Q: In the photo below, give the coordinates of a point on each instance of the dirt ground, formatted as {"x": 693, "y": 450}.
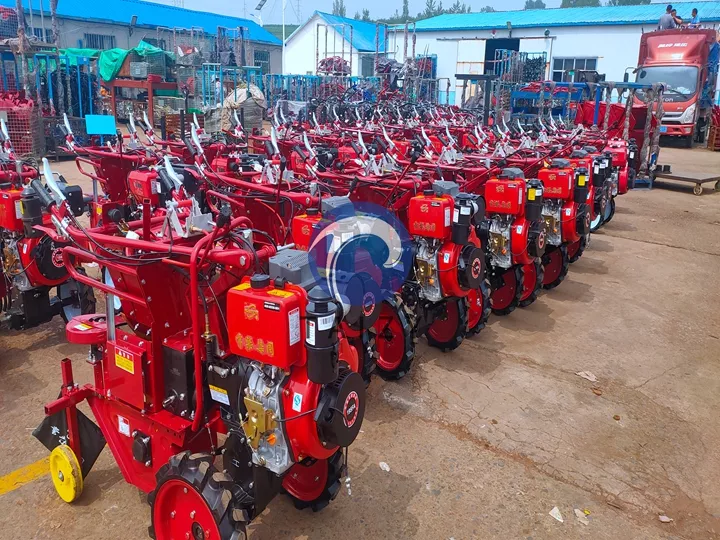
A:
{"x": 483, "y": 442}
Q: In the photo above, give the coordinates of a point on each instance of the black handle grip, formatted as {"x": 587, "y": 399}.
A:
{"x": 299, "y": 151}
{"x": 356, "y": 147}
{"x": 353, "y": 184}
{"x": 283, "y": 164}
{"x": 442, "y": 139}
{"x": 382, "y": 144}
{"x": 269, "y": 150}
{"x": 45, "y": 199}
{"x": 189, "y": 146}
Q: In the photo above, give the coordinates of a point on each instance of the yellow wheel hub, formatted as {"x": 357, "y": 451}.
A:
{"x": 66, "y": 473}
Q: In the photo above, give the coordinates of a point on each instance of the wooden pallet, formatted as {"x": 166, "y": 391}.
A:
{"x": 713, "y": 141}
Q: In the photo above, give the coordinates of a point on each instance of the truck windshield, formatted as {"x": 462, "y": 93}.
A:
{"x": 680, "y": 80}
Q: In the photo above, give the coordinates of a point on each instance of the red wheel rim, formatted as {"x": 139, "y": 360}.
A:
{"x": 445, "y": 329}
{"x": 573, "y": 248}
{"x": 553, "y": 267}
{"x": 529, "y": 280}
{"x": 504, "y": 296}
{"x": 390, "y": 342}
{"x": 306, "y": 482}
{"x": 181, "y": 512}
{"x": 475, "y": 307}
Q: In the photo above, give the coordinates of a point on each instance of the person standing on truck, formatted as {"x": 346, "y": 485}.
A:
{"x": 678, "y": 20}
{"x": 667, "y": 21}
{"x": 695, "y": 20}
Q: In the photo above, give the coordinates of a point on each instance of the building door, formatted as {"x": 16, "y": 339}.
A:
{"x": 470, "y": 59}
{"x": 497, "y": 44}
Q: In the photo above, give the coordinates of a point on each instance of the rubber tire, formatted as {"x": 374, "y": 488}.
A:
{"x": 611, "y": 213}
{"x": 199, "y": 472}
{"x": 581, "y": 250}
{"x": 459, "y": 335}
{"x": 409, "y": 339}
{"x": 687, "y": 142}
{"x": 332, "y": 485}
{"x": 518, "y": 293}
{"x": 563, "y": 270}
{"x": 539, "y": 272}
{"x": 86, "y": 297}
{"x": 487, "y": 310}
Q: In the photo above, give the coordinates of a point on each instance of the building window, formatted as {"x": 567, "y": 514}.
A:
{"x": 47, "y": 38}
{"x": 367, "y": 65}
{"x": 262, "y": 60}
{"x": 565, "y": 69}
{"x": 99, "y": 41}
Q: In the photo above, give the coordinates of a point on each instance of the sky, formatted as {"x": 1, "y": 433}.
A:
{"x": 272, "y": 12}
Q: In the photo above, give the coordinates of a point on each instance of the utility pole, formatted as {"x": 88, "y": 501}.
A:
{"x": 283, "y": 32}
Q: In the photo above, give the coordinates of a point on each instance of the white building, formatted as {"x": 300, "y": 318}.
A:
{"x": 325, "y": 35}
{"x": 604, "y": 39}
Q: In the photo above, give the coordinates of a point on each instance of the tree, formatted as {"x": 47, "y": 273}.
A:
{"x": 457, "y": 7}
{"x": 366, "y": 15}
{"x": 627, "y": 2}
{"x": 487, "y": 9}
{"x": 339, "y": 8}
{"x": 406, "y": 10}
{"x": 579, "y": 3}
{"x": 535, "y": 4}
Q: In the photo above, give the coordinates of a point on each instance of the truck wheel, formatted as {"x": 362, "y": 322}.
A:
{"x": 688, "y": 141}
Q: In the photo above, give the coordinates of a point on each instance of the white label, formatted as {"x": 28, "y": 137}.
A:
{"x": 447, "y": 216}
{"x": 456, "y": 215}
{"x": 154, "y": 187}
{"x": 124, "y": 426}
{"x": 82, "y": 327}
{"x": 465, "y": 210}
{"x": 219, "y": 394}
{"x": 297, "y": 402}
{"x": 294, "y": 323}
{"x": 310, "y": 338}
{"x": 18, "y": 209}
{"x": 326, "y": 322}
{"x": 446, "y": 258}
{"x": 25, "y": 248}
{"x": 518, "y": 229}
{"x": 568, "y": 211}
{"x": 346, "y": 237}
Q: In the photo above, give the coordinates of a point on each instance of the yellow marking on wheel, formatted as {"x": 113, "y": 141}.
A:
{"x": 24, "y": 475}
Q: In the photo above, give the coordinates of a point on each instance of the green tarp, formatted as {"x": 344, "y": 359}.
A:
{"x": 111, "y": 60}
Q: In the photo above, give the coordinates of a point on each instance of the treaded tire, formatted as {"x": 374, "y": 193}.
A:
{"x": 583, "y": 245}
{"x": 453, "y": 341}
{"x": 198, "y": 472}
{"x": 539, "y": 273}
{"x": 564, "y": 266}
{"x": 407, "y": 337}
{"x": 487, "y": 310}
{"x": 332, "y": 485}
{"x": 517, "y": 269}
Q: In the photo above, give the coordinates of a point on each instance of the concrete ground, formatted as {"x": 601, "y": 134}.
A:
{"x": 483, "y": 442}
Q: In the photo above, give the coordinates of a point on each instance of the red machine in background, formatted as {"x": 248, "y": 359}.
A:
{"x": 515, "y": 239}
{"x": 32, "y": 261}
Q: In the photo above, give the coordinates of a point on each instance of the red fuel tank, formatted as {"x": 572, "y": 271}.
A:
{"x": 430, "y": 216}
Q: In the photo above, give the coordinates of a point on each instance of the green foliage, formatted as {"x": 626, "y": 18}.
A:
{"x": 535, "y": 4}
{"x": 628, "y": 2}
{"x": 339, "y": 8}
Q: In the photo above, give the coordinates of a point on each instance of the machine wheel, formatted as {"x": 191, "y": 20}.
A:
{"x": 478, "y": 308}
{"x": 688, "y": 141}
{"x": 576, "y": 249}
{"x": 77, "y": 298}
{"x": 532, "y": 281}
{"x": 698, "y": 189}
{"x": 448, "y": 333}
{"x": 315, "y": 483}
{"x": 609, "y": 210}
{"x": 506, "y": 298}
{"x": 394, "y": 341}
{"x": 556, "y": 265}
{"x": 192, "y": 501}
{"x": 66, "y": 473}
{"x": 597, "y": 221}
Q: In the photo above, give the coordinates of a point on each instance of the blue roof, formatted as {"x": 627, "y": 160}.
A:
{"x": 554, "y": 17}
{"x": 363, "y": 33}
{"x": 150, "y": 14}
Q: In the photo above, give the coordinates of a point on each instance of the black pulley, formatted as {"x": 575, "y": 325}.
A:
{"x": 471, "y": 267}
{"x": 341, "y": 409}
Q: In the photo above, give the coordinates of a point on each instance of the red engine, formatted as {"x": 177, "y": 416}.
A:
{"x": 565, "y": 205}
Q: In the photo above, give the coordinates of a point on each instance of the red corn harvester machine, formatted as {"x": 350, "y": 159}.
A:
{"x": 204, "y": 359}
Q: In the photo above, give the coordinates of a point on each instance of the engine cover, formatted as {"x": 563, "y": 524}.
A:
{"x": 341, "y": 409}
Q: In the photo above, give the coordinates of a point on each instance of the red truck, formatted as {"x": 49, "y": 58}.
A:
{"x": 686, "y": 61}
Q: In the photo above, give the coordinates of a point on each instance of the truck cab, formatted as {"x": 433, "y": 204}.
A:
{"x": 686, "y": 62}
